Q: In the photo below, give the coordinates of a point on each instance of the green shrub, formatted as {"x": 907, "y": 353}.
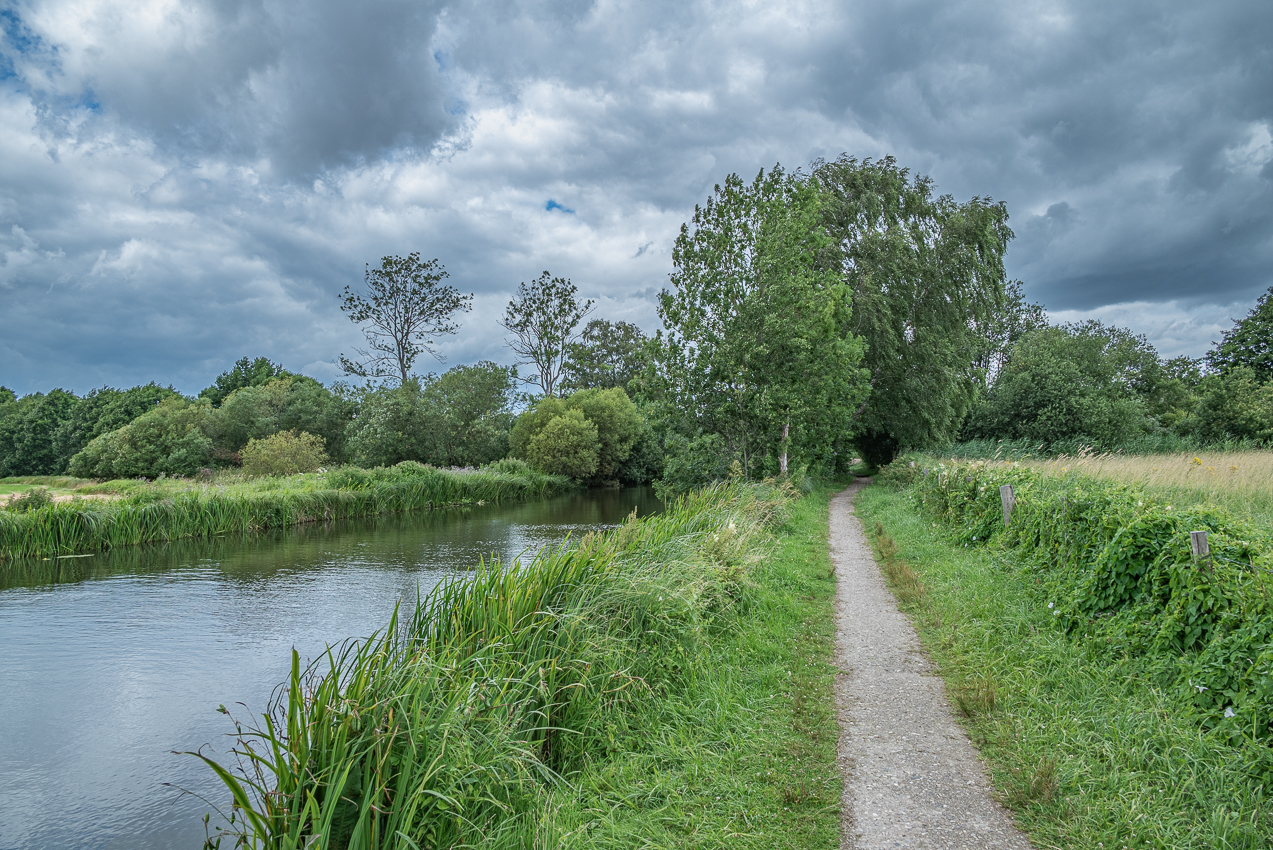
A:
{"x": 567, "y": 445}
{"x": 1113, "y": 563}
{"x": 170, "y": 440}
{"x": 31, "y": 500}
{"x": 284, "y": 453}
{"x": 619, "y": 427}
{"x": 508, "y": 466}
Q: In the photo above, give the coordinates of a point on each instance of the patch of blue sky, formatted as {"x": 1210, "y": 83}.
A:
{"x": 553, "y": 205}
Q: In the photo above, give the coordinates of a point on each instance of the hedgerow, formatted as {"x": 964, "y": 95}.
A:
{"x": 1115, "y": 566}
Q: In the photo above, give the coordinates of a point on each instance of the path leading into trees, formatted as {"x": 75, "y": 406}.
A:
{"x": 911, "y": 777}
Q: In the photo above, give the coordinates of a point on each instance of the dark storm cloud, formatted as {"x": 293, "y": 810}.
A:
{"x": 182, "y": 183}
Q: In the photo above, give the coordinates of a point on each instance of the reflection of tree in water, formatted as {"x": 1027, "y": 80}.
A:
{"x": 447, "y": 538}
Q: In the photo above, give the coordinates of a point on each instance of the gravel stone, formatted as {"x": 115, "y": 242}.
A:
{"x": 911, "y": 777}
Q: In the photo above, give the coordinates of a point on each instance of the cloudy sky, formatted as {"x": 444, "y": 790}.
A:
{"x": 184, "y": 182}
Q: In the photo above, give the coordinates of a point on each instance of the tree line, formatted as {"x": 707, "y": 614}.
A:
{"x": 811, "y": 317}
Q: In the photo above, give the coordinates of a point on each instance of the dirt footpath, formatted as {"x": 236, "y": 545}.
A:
{"x": 911, "y": 777}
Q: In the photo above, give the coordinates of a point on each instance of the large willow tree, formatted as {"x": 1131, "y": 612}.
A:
{"x": 759, "y": 354}
{"x": 927, "y": 283}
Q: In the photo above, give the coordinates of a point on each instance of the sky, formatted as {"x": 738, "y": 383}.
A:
{"x": 186, "y": 182}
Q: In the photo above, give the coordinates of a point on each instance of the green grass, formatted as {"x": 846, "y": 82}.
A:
{"x": 178, "y": 508}
{"x": 667, "y": 684}
{"x": 1086, "y": 753}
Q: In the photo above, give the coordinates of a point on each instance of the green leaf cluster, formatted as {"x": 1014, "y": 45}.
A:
{"x": 589, "y": 435}
{"x": 284, "y": 453}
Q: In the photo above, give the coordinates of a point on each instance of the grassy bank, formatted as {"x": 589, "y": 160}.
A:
{"x": 665, "y": 684}
{"x": 1117, "y": 690}
{"x": 143, "y": 512}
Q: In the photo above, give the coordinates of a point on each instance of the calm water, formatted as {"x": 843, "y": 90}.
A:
{"x": 109, "y": 663}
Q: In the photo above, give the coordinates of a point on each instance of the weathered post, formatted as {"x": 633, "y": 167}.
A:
{"x": 1009, "y": 499}
{"x": 1201, "y": 548}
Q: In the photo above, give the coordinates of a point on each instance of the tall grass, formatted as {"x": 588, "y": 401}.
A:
{"x": 1163, "y": 443}
{"x": 174, "y": 510}
{"x": 453, "y": 726}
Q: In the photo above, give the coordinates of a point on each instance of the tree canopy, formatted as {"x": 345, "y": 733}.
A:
{"x": 928, "y": 288}
{"x": 608, "y": 354}
{"x": 759, "y": 347}
{"x": 1248, "y": 343}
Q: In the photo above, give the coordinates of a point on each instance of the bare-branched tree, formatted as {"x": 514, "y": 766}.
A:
{"x": 542, "y": 319}
{"x": 407, "y": 309}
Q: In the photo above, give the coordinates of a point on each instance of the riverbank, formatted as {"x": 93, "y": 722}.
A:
{"x": 179, "y": 508}
{"x": 665, "y": 684}
{"x": 1117, "y": 689}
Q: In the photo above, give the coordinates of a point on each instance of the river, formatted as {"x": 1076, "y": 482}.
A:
{"x": 110, "y": 663}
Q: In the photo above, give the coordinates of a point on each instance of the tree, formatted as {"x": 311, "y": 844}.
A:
{"x": 169, "y": 439}
{"x": 608, "y": 354}
{"x": 1248, "y": 343}
{"x": 409, "y": 308}
{"x": 759, "y": 346}
{"x": 1086, "y": 382}
{"x": 28, "y": 433}
{"x": 102, "y": 411}
{"x": 617, "y": 427}
{"x": 542, "y": 319}
{"x": 284, "y": 453}
{"x": 928, "y": 289}
{"x": 245, "y": 373}
{"x": 567, "y": 445}
{"x": 472, "y": 411}
{"x": 1235, "y": 404}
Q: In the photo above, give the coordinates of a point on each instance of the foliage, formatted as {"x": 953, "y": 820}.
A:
{"x": 608, "y": 354}
{"x": 281, "y": 404}
{"x": 245, "y": 373}
{"x": 103, "y": 410}
{"x": 690, "y": 464}
{"x": 407, "y": 308}
{"x": 567, "y": 445}
{"x": 1116, "y": 567}
{"x": 929, "y": 297}
{"x": 472, "y": 408}
{"x": 7, "y": 396}
{"x": 284, "y": 453}
{"x": 174, "y": 509}
{"x": 170, "y": 439}
{"x": 615, "y": 424}
{"x": 542, "y": 319}
{"x": 29, "y": 430}
{"x": 460, "y": 418}
{"x": 1234, "y": 404}
{"x": 1081, "y": 381}
{"x": 456, "y": 729}
{"x": 31, "y": 500}
{"x": 759, "y": 348}
{"x": 1249, "y": 343}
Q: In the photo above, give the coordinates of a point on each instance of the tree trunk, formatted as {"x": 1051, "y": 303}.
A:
{"x": 782, "y": 459}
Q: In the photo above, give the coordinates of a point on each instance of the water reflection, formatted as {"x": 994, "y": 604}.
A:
{"x": 109, "y": 663}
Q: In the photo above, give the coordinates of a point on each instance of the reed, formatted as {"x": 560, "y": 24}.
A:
{"x": 177, "y": 509}
{"x": 454, "y": 725}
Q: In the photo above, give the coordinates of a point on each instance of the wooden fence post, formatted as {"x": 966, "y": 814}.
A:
{"x": 1009, "y": 498}
{"x": 1201, "y": 548}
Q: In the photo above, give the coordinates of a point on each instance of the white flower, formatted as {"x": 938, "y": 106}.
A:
{"x": 1200, "y": 688}
{"x": 1229, "y": 712}
{"x": 1051, "y": 604}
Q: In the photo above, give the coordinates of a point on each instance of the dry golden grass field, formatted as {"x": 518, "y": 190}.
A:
{"x": 1239, "y": 481}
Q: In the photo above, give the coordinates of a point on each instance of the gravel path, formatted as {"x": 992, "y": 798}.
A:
{"x": 911, "y": 777}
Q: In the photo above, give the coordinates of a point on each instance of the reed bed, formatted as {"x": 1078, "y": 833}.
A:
{"x": 179, "y": 509}
{"x": 454, "y": 725}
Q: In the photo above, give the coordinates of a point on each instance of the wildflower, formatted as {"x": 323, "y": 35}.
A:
{"x": 1229, "y": 712}
{"x": 1200, "y": 688}
{"x": 1051, "y": 604}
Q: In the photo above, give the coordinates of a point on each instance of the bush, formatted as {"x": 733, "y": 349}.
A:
{"x": 284, "y": 453}
{"x": 31, "y": 500}
{"x": 170, "y": 439}
{"x": 508, "y": 466}
{"x": 567, "y": 445}
{"x": 619, "y": 427}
